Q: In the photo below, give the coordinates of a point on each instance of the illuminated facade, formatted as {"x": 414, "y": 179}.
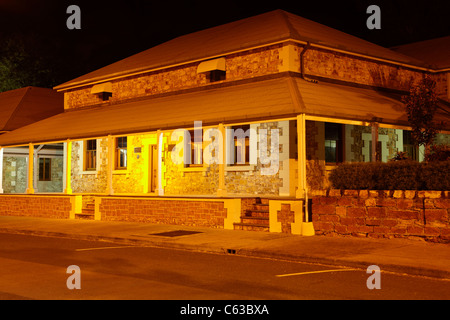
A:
{"x": 307, "y": 96}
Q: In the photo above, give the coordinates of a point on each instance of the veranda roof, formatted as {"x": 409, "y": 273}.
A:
{"x": 278, "y": 97}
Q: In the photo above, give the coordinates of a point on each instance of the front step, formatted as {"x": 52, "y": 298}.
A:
{"x": 87, "y": 212}
{"x": 85, "y": 215}
{"x": 250, "y": 227}
{"x": 256, "y": 218}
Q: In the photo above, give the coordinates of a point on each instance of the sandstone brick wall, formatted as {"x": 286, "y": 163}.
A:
{"x": 239, "y": 66}
{"x": 340, "y": 66}
{"x": 171, "y": 211}
{"x": 383, "y": 214}
{"x": 259, "y": 62}
{"x": 35, "y": 206}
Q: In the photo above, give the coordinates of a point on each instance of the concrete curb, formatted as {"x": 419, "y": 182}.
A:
{"x": 363, "y": 265}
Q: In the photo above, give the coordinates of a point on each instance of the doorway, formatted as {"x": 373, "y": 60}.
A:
{"x": 153, "y": 168}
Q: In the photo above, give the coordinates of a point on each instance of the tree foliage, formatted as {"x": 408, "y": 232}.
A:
{"x": 26, "y": 60}
{"x": 421, "y": 106}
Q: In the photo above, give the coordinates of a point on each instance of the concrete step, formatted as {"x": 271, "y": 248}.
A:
{"x": 259, "y": 206}
{"x": 257, "y": 213}
{"x": 255, "y": 220}
{"x": 84, "y": 216}
{"x": 251, "y": 227}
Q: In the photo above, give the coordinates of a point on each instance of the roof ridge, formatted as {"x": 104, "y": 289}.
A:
{"x": 17, "y": 108}
{"x": 294, "y": 34}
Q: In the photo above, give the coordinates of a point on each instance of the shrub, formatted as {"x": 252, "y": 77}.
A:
{"x": 395, "y": 175}
{"x": 400, "y": 156}
{"x": 435, "y": 175}
{"x": 438, "y": 152}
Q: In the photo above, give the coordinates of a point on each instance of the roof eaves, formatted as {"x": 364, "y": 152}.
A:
{"x": 169, "y": 64}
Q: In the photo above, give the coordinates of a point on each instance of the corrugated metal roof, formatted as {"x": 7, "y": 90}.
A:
{"x": 23, "y": 106}
{"x": 255, "y": 100}
{"x": 339, "y": 101}
{"x": 436, "y": 52}
{"x": 270, "y": 98}
{"x": 262, "y": 29}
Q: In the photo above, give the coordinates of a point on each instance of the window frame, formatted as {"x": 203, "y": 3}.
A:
{"x": 117, "y": 152}
{"x": 90, "y": 156}
{"x": 195, "y": 148}
{"x": 43, "y": 176}
{"x": 339, "y": 144}
{"x": 244, "y": 150}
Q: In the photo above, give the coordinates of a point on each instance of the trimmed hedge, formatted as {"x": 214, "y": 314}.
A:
{"x": 396, "y": 175}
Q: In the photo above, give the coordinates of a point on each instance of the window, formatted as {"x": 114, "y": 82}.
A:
{"x": 196, "y": 148}
{"x": 106, "y": 95}
{"x": 409, "y": 147}
{"x": 90, "y": 155}
{"x": 216, "y": 75}
{"x": 103, "y": 90}
{"x": 45, "y": 169}
{"x": 214, "y": 69}
{"x": 334, "y": 145}
{"x": 121, "y": 153}
{"x": 241, "y": 145}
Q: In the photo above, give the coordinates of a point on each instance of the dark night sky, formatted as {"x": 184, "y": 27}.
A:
{"x": 112, "y": 30}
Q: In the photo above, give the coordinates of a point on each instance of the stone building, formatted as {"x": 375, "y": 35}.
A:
{"x": 19, "y": 108}
{"x": 304, "y": 96}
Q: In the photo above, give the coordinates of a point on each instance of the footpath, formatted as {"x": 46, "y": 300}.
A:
{"x": 412, "y": 257}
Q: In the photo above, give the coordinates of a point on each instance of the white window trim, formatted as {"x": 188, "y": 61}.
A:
{"x": 187, "y": 156}
{"x": 120, "y": 171}
{"x": 81, "y": 157}
{"x": 229, "y": 150}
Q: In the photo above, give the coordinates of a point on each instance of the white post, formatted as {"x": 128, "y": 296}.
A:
{"x": 302, "y": 191}
{"x": 110, "y": 165}
{"x": 68, "y": 172}
{"x": 159, "y": 140}
{"x": 30, "y": 188}
{"x": 221, "y": 191}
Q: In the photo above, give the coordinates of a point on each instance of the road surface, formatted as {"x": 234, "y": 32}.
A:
{"x": 35, "y": 267}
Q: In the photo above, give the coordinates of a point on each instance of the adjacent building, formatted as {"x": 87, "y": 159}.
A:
{"x": 19, "y": 108}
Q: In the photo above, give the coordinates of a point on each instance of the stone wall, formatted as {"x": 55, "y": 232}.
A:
{"x": 252, "y": 181}
{"x": 56, "y": 182}
{"x": 383, "y": 214}
{"x": 239, "y": 66}
{"x": 84, "y": 181}
{"x": 14, "y": 174}
{"x": 36, "y": 206}
{"x": 129, "y": 180}
{"x": 345, "y": 67}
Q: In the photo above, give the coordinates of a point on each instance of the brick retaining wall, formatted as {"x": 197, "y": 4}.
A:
{"x": 171, "y": 211}
{"x": 36, "y": 206}
{"x": 383, "y": 214}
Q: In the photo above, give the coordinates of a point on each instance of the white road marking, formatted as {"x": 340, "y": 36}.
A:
{"x": 312, "y": 272}
{"x": 102, "y": 248}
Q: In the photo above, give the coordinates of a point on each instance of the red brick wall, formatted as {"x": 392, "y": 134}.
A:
{"x": 178, "y": 212}
{"x": 35, "y": 206}
{"x": 383, "y": 214}
{"x": 286, "y": 217}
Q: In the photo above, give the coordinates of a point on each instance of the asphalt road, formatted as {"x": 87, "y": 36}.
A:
{"x": 33, "y": 267}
